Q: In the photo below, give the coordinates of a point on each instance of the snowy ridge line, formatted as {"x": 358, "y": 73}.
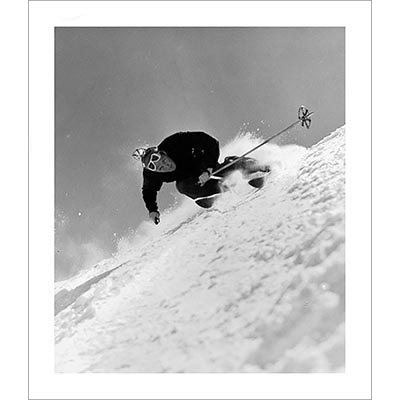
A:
{"x": 254, "y": 285}
{"x": 65, "y": 297}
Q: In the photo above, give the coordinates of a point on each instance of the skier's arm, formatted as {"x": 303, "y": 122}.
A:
{"x": 149, "y": 191}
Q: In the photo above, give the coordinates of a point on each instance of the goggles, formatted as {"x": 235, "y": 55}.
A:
{"x": 154, "y": 158}
{"x": 141, "y": 153}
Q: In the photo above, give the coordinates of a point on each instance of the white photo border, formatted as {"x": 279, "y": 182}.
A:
{"x": 44, "y": 17}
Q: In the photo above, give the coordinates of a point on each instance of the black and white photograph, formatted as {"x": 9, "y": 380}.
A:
{"x": 200, "y": 202}
{"x": 174, "y": 252}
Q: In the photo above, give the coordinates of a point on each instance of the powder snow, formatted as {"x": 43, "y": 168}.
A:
{"x": 254, "y": 284}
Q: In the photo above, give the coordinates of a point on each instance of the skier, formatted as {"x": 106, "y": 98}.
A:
{"x": 189, "y": 158}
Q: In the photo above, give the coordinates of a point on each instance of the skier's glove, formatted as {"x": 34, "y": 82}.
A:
{"x": 155, "y": 217}
{"x": 205, "y": 176}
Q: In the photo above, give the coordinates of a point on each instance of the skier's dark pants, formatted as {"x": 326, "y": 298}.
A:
{"x": 191, "y": 188}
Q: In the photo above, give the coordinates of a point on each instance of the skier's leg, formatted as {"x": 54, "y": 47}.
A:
{"x": 204, "y": 196}
{"x": 250, "y": 168}
{"x": 206, "y": 202}
{"x": 246, "y": 165}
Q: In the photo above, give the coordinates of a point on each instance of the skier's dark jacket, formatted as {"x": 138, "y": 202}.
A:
{"x": 192, "y": 152}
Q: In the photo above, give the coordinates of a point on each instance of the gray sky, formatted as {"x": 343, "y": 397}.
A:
{"x": 119, "y": 88}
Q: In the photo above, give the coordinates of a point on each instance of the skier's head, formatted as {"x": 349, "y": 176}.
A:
{"x": 155, "y": 160}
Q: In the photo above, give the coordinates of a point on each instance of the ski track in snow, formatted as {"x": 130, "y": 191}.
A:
{"x": 255, "y": 284}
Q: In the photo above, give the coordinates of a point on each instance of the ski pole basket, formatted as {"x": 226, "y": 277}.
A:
{"x": 304, "y": 117}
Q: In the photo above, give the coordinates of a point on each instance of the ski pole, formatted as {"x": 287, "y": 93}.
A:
{"x": 304, "y": 117}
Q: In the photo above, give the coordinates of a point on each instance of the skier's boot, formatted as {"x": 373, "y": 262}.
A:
{"x": 257, "y": 182}
{"x": 251, "y": 169}
{"x": 206, "y": 201}
{"x": 255, "y": 172}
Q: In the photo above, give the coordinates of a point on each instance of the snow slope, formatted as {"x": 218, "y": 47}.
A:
{"x": 255, "y": 284}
